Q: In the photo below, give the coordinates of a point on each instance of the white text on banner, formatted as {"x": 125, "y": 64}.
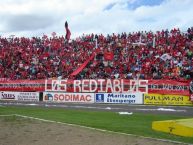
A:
{"x": 119, "y": 98}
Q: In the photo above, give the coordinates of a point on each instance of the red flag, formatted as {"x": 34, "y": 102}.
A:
{"x": 78, "y": 70}
{"x": 68, "y": 33}
{"x": 108, "y": 56}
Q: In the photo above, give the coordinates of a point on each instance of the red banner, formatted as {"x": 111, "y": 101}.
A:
{"x": 154, "y": 86}
{"x": 168, "y": 87}
{"x": 22, "y": 85}
{"x": 77, "y": 71}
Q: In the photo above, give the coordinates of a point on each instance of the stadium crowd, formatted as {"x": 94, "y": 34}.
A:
{"x": 145, "y": 55}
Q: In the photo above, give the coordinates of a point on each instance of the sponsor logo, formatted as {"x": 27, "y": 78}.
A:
{"x": 99, "y": 97}
{"x": 48, "y": 97}
{"x": 122, "y": 96}
{"x": 166, "y": 99}
{"x": 7, "y": 96}
{"x": 69, "y": 97}
{"x": 72, "y": 97}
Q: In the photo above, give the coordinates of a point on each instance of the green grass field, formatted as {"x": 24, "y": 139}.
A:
{"x": 137, "y": 124}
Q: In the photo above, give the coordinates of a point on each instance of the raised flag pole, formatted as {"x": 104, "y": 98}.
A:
{"x": 140, "y": 39}
{"x": 154, "y": 42}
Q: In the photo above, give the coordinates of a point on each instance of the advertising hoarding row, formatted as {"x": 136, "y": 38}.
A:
{"x": 129, "y": 98}
{"x": 110, "y": 98}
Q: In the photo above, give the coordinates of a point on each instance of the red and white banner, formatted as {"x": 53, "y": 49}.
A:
{"x": 98, "y": 86}
{"x": 69, "y": 97}
{"x": 168, "y": 87}
{"x": 22, "y": 85}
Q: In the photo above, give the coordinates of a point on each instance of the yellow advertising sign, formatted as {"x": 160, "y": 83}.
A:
{"x": 158, "y": 99}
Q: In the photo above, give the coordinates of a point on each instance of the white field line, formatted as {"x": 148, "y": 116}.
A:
{"x": 102, "y": 130}
{"x": 161, "y": 109}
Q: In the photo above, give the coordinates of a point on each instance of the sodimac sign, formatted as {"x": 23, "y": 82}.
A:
{"x": 68, "y": 97}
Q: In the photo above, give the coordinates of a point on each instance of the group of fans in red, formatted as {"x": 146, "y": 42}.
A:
{"x": 165, "y": 54}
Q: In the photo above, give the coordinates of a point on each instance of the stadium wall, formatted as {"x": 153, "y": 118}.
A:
{"x": 108, "y": 98}
{"x": 160, "y": 92}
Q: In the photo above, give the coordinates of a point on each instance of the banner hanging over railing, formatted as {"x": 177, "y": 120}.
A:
{"x": 168, "y": 87}
{"x": 99, "y": 86}
{"x": 22, "y": 85}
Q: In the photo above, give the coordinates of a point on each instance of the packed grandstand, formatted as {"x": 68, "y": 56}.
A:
{"x": 166, "y": 54}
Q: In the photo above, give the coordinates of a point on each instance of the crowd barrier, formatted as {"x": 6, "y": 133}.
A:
{"x": 108, "y": 98}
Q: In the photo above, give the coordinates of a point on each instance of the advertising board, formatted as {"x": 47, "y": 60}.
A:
{"x": 27, "y": 96}
{"x": 8, "y": 96}
{"x": 158, "y": 99}
{"x": 69, "y": 97}
{"x": 119, "y": 98}
{"x": 20, "y": 96}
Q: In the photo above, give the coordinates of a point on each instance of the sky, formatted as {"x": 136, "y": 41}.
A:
{"x": 30, "y": 18}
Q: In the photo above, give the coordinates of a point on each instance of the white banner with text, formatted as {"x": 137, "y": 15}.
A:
{"x": 69, "y": 97}
{"x": 20, "y": 96}
{"x": 119, "y": 98}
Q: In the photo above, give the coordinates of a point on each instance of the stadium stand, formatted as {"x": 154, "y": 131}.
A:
{"x": 145, "y": 55}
